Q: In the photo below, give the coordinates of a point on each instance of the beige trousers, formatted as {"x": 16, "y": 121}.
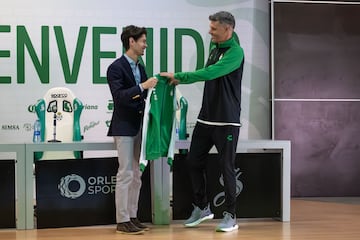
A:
{"x": 128, "y": 177}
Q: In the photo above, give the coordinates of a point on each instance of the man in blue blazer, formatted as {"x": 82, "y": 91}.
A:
{"x": 128, "y": 84}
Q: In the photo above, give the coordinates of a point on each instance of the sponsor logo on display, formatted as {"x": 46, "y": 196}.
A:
{"x": 74, "y": 191}
{"x": 28, "y": 127}
{"x": 110, "y": 105}
{"x": 108, "y": 122}
{"x": 59, "y": 95}
{"x": 91, "y": 107}
{"x": 219, "y": 199}
{"x": 74, "y": 186}
{"x": 31, "y": 108}
{"x": 14, "y": 127}
{"x": 10, "y": 127}
{"x": 91, "y": 125}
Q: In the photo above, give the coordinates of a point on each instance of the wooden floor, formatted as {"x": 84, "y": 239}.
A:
{"x": 309, "y": 220}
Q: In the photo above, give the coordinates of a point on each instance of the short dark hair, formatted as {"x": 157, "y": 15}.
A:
{"x": 223, "y": 17}
{"x": 131, "y": 31}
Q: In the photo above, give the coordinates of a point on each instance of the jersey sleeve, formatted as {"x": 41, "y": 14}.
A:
{"x": 229, "y": 62}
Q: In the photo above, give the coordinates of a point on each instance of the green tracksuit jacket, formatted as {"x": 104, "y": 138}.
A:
{"x": 158, "y": 133}
{"x": 222, "y": 74}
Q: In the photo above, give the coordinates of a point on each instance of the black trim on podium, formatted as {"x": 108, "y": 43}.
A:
{"x": 7, "y": 194}
{"x": 258, "y": 186}
{"x": 80, "y": 192}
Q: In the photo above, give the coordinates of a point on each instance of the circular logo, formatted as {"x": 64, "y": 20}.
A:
{"x": 72, "y": 186}
{"x": 31, "y": 108}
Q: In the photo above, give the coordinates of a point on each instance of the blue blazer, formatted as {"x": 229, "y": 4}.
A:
{"x": 129, "y": 101}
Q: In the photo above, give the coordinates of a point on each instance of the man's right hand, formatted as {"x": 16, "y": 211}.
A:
{"x": 172, "y": 80}
{"x": 150, "y": 83}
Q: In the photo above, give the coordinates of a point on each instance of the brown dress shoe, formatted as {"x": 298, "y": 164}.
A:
{"x": 138, "y": 224}
{"x": 128, "y": 228}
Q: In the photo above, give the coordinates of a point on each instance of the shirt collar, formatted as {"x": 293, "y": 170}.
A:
{"x": 228, "y": 42}
{"x": 132, "y": 62}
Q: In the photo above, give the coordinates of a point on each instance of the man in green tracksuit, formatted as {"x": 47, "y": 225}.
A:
{"x": 218, "y": 122}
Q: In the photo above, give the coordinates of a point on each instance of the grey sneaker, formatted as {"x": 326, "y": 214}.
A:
{"x": 228, "y": 223}
{"x": 198, "y": 216}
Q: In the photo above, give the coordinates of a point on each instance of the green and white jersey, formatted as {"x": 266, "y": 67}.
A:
{"x": 158, "y": 131}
